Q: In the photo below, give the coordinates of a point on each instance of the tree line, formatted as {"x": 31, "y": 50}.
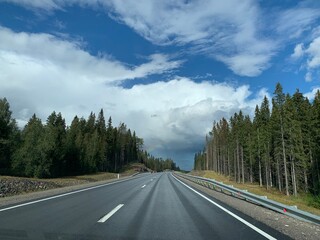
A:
{"x": 277, "y": 148}
{"x": 54, "y": 149}
{"x": 158, "y": 164}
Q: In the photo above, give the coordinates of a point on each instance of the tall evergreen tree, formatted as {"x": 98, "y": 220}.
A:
{"x": 102, "y": 141}
{"x": 54, "y": 143}
{"x": 30, "y": 159}
{"x": 279, "y": 147}
{"x": 72, "y": 156}
{"x": 9, "y": 136}
{"x": 110, "y": 156}
{"x": 279, "y": 101}
{"x": 315, "y": 165}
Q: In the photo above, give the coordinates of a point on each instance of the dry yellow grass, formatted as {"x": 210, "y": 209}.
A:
{"x": 299, "y": 201}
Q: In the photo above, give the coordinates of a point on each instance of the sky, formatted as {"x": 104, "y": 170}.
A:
{"x": 168, "y": 69}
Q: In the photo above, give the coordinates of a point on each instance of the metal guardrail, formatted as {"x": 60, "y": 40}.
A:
{"x": 291, "y": 211}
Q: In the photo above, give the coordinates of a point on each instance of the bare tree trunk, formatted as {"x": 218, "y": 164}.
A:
{"x": 270, "y": 175}
{"x": 278, "y": 175}
{"x": 218, "y": 159}
{"x": 306, "y": 187}
{"x": 293, "y": 176}
{"x": 208, "y": 152}
{"x": 211, "y": 163}
{"x": 228, "y": 162}
{"x": 207, "y": 159}
{"x": 235, "y": 165}
{"x": 266, "y": 171}
{"x": 260, "y": 175}
{"x": 310, "y": 157}
{"x": 251, "y": 177}
{"x": 242, "y": 164}
{"x": 284, "y": 159}
{"x": 269, "y": 166}
{"x": 259, "y": 159}
{"x": 238, "y": 161}
{"x": 250, "y": 159}
{"x": 224, "y": 163}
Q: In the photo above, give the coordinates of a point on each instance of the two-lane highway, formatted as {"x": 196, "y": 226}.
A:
{"x": 151, "y": 206}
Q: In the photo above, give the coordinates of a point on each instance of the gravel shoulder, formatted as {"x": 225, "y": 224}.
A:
{"x": 289, "y": 226}
{"x": 37, "y": 189}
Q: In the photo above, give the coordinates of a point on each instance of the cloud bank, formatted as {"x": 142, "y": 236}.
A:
{"x": 238, "y": 33}
{"x": 40, "y": 73}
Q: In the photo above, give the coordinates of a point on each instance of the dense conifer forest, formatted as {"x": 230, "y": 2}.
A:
{"x": 54, "y": 149}
{"x": 279, "y": 147}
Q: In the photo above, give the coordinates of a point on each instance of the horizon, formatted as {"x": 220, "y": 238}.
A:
{"x": 166, "y": 69}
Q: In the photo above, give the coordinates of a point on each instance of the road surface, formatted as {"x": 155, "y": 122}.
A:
{"x": 149, "y": 206}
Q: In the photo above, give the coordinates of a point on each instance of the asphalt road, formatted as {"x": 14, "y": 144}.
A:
{"x": 151, "y": 206}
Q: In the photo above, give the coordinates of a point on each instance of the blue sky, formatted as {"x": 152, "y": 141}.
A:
{"x": 166, "y": 68}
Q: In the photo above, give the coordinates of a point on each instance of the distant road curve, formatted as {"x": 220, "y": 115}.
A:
{"x": 153, "y": 206}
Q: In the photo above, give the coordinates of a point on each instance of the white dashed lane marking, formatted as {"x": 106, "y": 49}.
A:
{"x": 106, "y": 217}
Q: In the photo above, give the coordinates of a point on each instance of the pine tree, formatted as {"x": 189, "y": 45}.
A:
{"x": 122, "y": 141}
{"x": 54, "y": 143}
{"x": 102, "y": 141}
{"x": 265, "y": 138}
{"x": 279, "y": 101}
{"x": 9, "y": 136}
{"x": 30, "y": 159}
{"x": 73, "y": 148}
{"x": 276, "y": 143}
{"x": 302, "y": 120}
{"x": 110, "y": 146}
{"x": 315, "y": 147}
{"x": 90, "y": 144}
{"x": 248, "y": 129}
{"x": 257, "y": 122}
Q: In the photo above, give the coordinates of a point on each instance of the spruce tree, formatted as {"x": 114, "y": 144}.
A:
{"x": 54, "y": 142}
{"x": 316, "y": 139}
{"x": 9, "y": 136}
{"x": 30, "y": 159}
{"x": 279, "y": 101}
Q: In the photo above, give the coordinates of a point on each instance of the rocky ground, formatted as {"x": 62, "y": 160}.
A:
{"x": 14, "y": 186}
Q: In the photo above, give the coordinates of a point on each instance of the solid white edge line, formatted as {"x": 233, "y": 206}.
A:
{"x": 266, "y": 235}
{"x": 62, "y": 195}
{"x": 106, "y": 217}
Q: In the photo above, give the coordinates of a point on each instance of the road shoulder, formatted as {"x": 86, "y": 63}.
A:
{"x": 291, "y": 227}
{"x": 22, "y": 198}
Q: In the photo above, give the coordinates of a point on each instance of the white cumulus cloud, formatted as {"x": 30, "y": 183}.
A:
{"x": 310, "y": 95}
{"x": 228, "y": 31}
{"x": 314, "y": 53}
{"x": 310, "y": 56}
{"x": 298, "y": 51}
{"x": 238, "y": 33}
{"x": 40, "y": 74}
{"x": 308, "y": 77}
{"x": 67, "y": 56}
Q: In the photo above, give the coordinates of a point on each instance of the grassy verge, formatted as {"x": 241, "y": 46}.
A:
{"x": 304, "y": 202}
